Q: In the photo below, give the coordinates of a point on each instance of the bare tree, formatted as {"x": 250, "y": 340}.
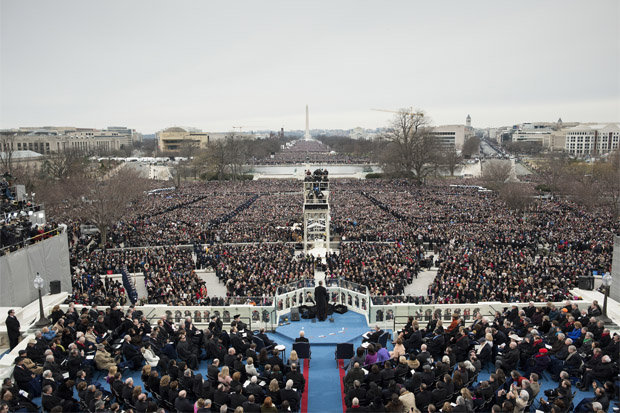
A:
{"x": 412, "y": 150}
{"x": 181, "y": 170}
{"x": 236, "y": 155}
{"x": 496, "y": 172}
{"x": 517, "y": 195}
{"x": 552, "y": 169}
{"x": 450, "y": 159}
{"x": 471, "y": 146}
{"x": 7, "y": 147}
{"x": 215, "y": 158}
{"x": 107, "y": 199}
{"x": 223, "y": 158}
{"x": 65, "y": 163}
{"x": 607, "y": 175}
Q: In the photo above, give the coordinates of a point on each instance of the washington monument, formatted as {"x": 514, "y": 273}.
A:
{"x": 307, "y": 136}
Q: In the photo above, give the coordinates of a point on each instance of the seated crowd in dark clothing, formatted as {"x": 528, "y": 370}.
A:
{"x": 245, "y": 371}
{"x": 434, "y": 366}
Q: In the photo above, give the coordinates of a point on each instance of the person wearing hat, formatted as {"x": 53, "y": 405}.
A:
{"x": 413, "y": 364}
{"x": 215, "y": 325}
{"x": 25, "y": 379}
{"x": 241, "y": 326}
{"x": 12, "y": 329}
{"x": 35, "y": 352}
{"x": 539, "y": 362}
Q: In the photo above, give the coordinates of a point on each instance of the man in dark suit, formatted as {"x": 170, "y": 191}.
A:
{"x": 299, "y": 382}
{"x": 240, "y": 343}
{"x": 356, "y": 391}
{"x": 221, "y": 396}
{"x": 93, "y": 313}
{"x": 423, "y": 398}
{"x": 509, "y": 359}
{"x": 372, "y": 336}
{"x": 127, "y": 389}
{"x": 436, "y": 344}
{"x": 423, "y": 356}
{"x": 320, "y": 295}
{"x": 236, "y": 398}
{"x": 301, "y": 338}
{"x": 25, "y": 379}
{"x": 290, "y": 395}
{"x": 132, "y": 353}
{"x": 49, "y": 401}
{"x": 253, "y": 389}
{"x": 215, "y": 325}
{"x": 182, "y": 404}
{"x": 263, "y": 336}
{"x": 439, "y": 394}
{"x": 251, "y": 352}
{"x": 142, "y": 404}
{"x": 241, "y": 326}
{"x": 213, "y": 370}
{"x": 12, "y": 329}
{"x": 275, "y": 359}
{"x": 250, "y": 406}
{"x": 186, "y": 354}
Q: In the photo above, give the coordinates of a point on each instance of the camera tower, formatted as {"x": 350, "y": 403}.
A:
{"x": 316, "y": 210}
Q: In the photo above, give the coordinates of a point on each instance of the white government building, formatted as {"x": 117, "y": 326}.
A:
{"x": 588, "y": 139}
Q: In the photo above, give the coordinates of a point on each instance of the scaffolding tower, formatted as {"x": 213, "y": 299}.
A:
{"x": 316, "y": 210}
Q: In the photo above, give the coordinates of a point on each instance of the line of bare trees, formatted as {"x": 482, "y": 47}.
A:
{"x": 71, "y": 186}
{"x": 592, "y": 185}
{"x": 589, "y": 183}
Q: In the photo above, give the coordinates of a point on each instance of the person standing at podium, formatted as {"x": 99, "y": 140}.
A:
{"x": 320, "y": 296}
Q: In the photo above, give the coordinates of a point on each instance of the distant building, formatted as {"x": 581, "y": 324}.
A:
{"x": 453, "y": 135}
{"x": 532, "y": 132}
{"x": 26, "y": 160}
{"x": 357, "y": 133}
{"x": 50, "y": 139}
{"x": 556, "y": 140}
{"x": 592, "y": 139}
{"x": 175, "y": 138}
{"x": 46, "y": 141}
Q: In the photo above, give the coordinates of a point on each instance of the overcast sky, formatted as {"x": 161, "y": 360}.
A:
{"x": 213, "y": 65}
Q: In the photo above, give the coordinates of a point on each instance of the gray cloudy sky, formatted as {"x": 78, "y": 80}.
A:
{"x": 214, "y": 65}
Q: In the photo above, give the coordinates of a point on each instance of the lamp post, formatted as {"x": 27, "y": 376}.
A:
{"x": 607, "y": 280}
{"x": 38, "y": 284}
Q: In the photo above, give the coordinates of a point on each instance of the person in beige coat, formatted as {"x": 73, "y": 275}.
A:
{"x": 103, "y": 359}
{"x": 29, "y": 364}
{"x": 408, "y": 400}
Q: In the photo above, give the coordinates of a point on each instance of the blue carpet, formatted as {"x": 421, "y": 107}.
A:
{"x": 324, "y": 378}
{"x": 346, "y": 328}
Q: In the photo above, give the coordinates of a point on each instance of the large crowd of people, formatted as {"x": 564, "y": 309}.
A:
{"x": 434, "y": 367}
{"x": 310, "y": 151}
{"x": 431, "y": 366}
{"x": 60, "y": 370}
{"x": 247, "y": 234}
{"x": 386, "y": 269}
{"x": 17, "y": 228}
{"x": 482, "y": 249}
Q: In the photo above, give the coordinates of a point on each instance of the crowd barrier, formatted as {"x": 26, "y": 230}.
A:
{"x": 266, "y": 312}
